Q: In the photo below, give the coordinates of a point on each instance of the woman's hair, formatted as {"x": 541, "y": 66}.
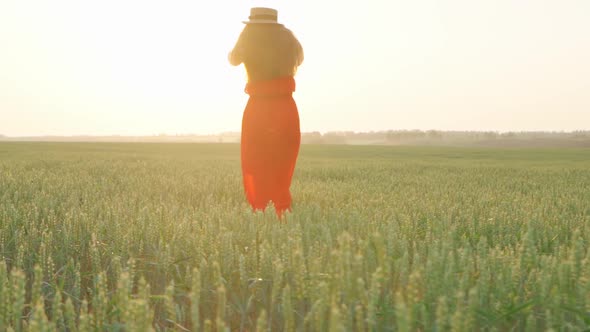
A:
{"x": 267, "y": 51}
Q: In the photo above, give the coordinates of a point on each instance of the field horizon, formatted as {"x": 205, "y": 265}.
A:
{"x": 533, "y": 139}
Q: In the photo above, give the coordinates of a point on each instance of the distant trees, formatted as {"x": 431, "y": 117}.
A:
{"x": 438, "y": 137}
{"x": 579, "y": 138}
{"x": 314, "y": 137}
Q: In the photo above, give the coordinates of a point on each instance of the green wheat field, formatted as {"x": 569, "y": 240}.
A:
{"x": 138, "y": 237}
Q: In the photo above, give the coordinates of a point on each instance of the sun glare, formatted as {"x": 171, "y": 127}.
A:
{"x": 145, "y": 67}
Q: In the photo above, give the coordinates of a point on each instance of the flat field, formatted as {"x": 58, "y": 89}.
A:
{"x": 132, "y": 237}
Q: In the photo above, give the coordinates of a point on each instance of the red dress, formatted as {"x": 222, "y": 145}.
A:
{"x": 270, "y": 143}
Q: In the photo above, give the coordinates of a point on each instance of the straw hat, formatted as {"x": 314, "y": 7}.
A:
{"x": 261, "y": 15}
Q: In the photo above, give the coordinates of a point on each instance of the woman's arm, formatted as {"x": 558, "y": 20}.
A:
{"x": 295, "y": 47}
{"x": 236, "y": 56}
{"x": 300, "y": 55}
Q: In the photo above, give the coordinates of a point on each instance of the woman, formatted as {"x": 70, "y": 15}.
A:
{"x": 270, "y": 124}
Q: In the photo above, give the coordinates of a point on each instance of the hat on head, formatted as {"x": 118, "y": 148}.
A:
{"x": 261, "y": 15}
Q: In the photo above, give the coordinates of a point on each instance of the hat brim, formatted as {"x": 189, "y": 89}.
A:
{"x": 260, "y": 22}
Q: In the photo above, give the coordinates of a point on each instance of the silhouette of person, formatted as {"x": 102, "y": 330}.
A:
{"x": 270, "y": 125}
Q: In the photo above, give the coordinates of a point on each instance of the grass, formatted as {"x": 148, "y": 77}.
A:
{"x": 131, "y": 237}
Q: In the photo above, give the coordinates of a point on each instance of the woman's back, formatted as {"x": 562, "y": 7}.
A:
{"x": 268, "y": 51}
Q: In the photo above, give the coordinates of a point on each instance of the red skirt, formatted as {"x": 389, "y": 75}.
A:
{"x": 270, "y": 143}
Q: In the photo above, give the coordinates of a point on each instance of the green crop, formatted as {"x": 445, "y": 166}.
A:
{"x": 133, "y": 237}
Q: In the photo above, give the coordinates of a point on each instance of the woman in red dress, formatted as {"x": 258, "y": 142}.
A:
{"x": 270, "y": 124}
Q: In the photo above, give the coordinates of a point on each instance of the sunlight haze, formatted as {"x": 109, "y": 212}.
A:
{"x": 149, "y": 67}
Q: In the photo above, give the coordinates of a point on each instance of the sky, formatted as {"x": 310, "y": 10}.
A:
{"x": 80, "y": 67}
